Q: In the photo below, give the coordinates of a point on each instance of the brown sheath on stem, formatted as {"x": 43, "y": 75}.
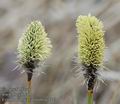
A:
{"x": 29, "y": 84}
{"x": 91, "y": 80}
{"x": 30, "y": 65}
{"x": 29, "y": 75}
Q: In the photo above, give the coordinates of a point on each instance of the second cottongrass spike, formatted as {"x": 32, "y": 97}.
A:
{"x": 34, "y": 47}
{"x": 91, "y": 47}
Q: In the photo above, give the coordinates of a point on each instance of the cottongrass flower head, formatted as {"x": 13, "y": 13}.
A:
{"x": 34, "y": 47}
{"x": 91, "y": 48}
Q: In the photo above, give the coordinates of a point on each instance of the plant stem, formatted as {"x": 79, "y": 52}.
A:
{"x": 29, "y": 91}
{"x": 90, "y": 97}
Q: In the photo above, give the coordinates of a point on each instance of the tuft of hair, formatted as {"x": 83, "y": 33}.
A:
{"x": 91, "y": 43}
{"x": 34, "y": 45}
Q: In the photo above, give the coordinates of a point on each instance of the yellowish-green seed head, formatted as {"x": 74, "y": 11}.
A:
{"x": 34, "y": 44}
{"x": 90, "y": 40}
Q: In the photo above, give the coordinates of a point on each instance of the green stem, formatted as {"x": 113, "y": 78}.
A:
{"x": 29, "y": 91}
{"x": 90, "y": 97}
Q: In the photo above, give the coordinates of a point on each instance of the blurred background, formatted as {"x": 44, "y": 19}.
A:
{"x": 59, "y": 84}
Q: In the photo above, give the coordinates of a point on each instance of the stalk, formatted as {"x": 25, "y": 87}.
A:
{"x": 29, "y": 92}
{"x": 90, "y": 97}
{"x": 29, "y": 75}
